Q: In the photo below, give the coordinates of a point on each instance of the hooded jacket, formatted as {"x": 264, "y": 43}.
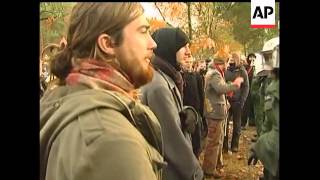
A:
{"x": 163, "y": 97}
{"x": 169, "y": 41}
{"x": 84, "y": 135}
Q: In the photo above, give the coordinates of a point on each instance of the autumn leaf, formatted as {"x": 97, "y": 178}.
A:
{"x": 223, "y": 52}
{"x": 202, "y": 43}
{"x": 156, "y": 24}
{"x": 49, "y": 21}
{"x": 176, "y": 9}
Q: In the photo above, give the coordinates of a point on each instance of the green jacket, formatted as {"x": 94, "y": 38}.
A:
{"x": 84, "y": 136}
{"x": 258, "y": 91}
{"x": 267, "y": 145}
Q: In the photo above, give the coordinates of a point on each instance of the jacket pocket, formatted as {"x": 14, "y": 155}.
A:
{"x": 207, "y": 106}
{"x": 158, "y": 163}
{"x": 219, "y": 110}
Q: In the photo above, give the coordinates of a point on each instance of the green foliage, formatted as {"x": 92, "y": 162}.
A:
{"x": 53, "y": 18}
{"x": 226, "y": 23}
{"x": 252, "y": 39}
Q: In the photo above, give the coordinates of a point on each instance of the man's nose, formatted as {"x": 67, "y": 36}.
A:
{"x": 153, "y": 44}
{"x": 188, "y": 52}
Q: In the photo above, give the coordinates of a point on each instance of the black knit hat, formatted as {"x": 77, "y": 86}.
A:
{"x": 169, "y": 41}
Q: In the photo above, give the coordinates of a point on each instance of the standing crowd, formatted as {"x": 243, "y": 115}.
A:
{"x": 133, "y": 105}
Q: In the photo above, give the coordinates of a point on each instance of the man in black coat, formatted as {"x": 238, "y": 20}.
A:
{"x": 193, "y": 92}
{"x": 236, "y": 99}
{"x": 248, "y": 106}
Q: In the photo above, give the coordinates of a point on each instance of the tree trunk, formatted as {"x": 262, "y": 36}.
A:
{"x": 245, "y": 49}
{"x": 164, "y": 19}
{"x": 189, "y": 20}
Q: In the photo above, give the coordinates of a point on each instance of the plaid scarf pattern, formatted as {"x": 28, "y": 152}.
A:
{"x": 101, "y": 75}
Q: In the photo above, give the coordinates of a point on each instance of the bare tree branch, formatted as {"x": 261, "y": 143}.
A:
{"x": 189, "y": 20}
{"x": 55, "y": 15}
{"x": 45, "y": 18}
{"x": 45, "y": 11}
{"x": 162, "y": 14}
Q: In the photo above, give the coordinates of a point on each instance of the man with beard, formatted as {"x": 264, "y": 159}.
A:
{"x": 164, "y": 97}
{"x": 92, "y": 125}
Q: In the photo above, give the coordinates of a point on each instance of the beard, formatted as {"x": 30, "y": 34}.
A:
{"x": 139, "y": 75}
{"x": 142, "y": 76}
{"x": 203, "y": 71}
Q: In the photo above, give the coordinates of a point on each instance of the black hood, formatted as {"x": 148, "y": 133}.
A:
{"x": 169, "y": 41}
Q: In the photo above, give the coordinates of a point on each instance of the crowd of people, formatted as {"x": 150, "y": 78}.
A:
{"x": 128, "y": 104}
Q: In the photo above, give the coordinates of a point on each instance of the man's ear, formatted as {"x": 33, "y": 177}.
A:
{"x": 106, "y": 44}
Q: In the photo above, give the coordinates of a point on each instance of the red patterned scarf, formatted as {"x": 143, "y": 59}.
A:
{"x": 220, "y": 70}
{"x": 230, "y": 93}
{"x": 101, "y": 75}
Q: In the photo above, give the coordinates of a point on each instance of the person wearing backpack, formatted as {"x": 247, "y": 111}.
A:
{"x": 92, "y": 125}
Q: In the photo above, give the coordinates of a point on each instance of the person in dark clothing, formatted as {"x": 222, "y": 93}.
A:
{"x": 248, "y": 106}
{"x": 43, "y": 85}
{"x": 193, "y": 91}
{"x": 236, "y": 99}
{"x": 164, "y": 97}
{"x": 259, "y": 84}
{"x": 266, "y": 149}
{"x": 200, "y": 75}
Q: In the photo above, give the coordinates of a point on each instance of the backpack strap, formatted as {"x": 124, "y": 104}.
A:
{"x": 141, "y": 118}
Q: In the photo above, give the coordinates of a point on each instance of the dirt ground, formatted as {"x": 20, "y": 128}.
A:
{"x": 236, "y": 167}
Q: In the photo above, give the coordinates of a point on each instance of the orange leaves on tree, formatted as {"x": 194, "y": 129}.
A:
{"x": 176, "y": 9}
{"x": 174, "y": 12}
{"x": 223, "y": 52}
{"x": 194, "y": 48}
{"x": 236, "y": 46}
{"x": 208, "y": 43}
{"x": 156, "y": 24}
{"x": 49, "y": 21}
{"x": 202, "y": 43}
